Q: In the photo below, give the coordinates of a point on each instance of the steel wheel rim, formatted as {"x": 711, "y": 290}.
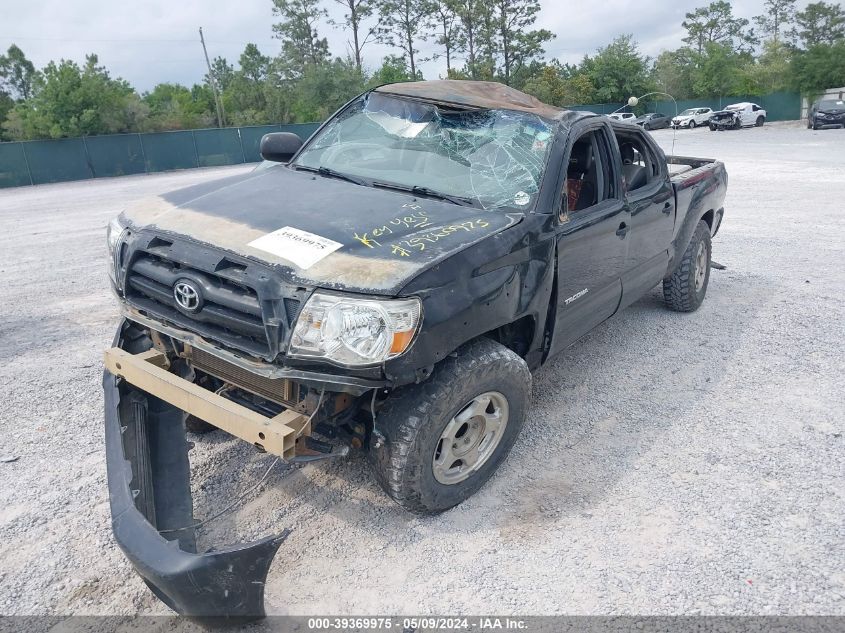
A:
{"x": 700, "y": 267}
{"x": 470, "y": 438}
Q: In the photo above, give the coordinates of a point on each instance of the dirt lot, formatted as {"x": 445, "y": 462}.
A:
{"x": 670, "y": 463}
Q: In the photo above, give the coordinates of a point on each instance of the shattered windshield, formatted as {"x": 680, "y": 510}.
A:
{"x": 495, "y": 158}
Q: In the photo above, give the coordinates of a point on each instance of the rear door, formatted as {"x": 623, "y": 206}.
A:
{"x": 749, "y": 116}
{"x": 591, "y": 236}
{"x": 651, "y": 206}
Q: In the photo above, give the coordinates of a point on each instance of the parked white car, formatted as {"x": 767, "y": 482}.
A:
{"x": 623, "y": 116}
{"x": 692, "y": 117}
{"x": 737, "y": 116}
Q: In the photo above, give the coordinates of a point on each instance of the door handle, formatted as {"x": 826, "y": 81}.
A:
{"x": 667, "y": 208}
{"x": 622, "y": 231}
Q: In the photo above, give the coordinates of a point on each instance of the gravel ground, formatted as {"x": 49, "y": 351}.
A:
{"x": 670, "y": 464}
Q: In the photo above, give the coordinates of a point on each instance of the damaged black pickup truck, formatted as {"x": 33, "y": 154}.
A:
{"x": 388, "y": 286}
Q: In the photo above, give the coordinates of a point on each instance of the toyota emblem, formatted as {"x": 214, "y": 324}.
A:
{"x": 187, "y": 295}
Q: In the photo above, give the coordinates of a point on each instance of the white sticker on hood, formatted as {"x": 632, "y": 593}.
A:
{"x": 300, "y": 247}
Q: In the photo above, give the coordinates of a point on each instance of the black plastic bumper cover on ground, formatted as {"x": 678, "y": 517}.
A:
{"x": 227, "y": 582}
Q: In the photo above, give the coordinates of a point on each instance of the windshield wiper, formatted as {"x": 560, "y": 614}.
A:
{"x": 428, "y": 193}
{"x": 331, "y": 173}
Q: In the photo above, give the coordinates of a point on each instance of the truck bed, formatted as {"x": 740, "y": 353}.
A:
{"x": 700, "y": 186}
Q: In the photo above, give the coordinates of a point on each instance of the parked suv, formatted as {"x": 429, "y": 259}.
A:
{"x": 826, "y": 112}
{"x": 692, "y": 117}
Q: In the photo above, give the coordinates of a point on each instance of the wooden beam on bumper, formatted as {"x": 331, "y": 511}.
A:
{"x": 147, "y": 372}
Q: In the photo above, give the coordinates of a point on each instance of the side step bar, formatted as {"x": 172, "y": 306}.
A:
{"x": 147, "y": 371}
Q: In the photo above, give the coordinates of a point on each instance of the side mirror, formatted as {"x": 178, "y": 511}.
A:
{"x": 279, "y": 146}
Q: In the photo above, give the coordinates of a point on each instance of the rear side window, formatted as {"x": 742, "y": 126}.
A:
{"x": 640, "y": 166}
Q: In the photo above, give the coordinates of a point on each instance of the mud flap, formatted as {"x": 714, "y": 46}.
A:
{"x": 152, "y": 514}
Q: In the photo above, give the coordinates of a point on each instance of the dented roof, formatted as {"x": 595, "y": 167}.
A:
{"x": 473, "y": 94}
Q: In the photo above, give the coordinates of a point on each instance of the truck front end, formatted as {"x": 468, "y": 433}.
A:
{"x": 200, "y": 344}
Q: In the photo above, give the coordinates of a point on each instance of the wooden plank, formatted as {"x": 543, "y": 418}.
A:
{"x": 275, "y": 435}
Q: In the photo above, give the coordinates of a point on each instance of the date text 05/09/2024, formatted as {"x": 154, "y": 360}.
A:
{"x": 427, "y": 623}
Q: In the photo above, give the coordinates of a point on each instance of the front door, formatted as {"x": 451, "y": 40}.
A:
{"x": 591, "y": 239}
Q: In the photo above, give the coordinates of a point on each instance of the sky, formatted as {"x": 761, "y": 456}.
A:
{"x": 152, "y": 41}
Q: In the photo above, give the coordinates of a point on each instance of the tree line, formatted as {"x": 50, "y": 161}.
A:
{"x": 496, "y": 40}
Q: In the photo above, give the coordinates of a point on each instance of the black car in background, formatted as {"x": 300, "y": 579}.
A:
{"x": 826, "y": 112}
{"x": 653, "y": 121}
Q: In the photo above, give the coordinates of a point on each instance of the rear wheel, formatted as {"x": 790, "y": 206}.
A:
{"x": 760, "y": 121}
{"x": 712, "y": 127}
{"x": 685, "y": 288}
{"x": 445, "y": 437}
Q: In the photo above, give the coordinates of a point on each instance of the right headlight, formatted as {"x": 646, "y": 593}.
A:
{"x": 349, "y": 331}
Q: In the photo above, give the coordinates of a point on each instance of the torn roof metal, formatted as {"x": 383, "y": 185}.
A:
{"x": 474, "y": 94}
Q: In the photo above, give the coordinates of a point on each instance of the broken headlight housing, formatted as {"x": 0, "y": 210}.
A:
{"x": 114, "y": 234}
{"x": 348, "y": 331}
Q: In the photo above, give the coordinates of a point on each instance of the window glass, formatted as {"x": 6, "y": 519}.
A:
{"x": 589, "y": 175}
{"x": 494, "y": 157}
{"x": 639, "y": 164}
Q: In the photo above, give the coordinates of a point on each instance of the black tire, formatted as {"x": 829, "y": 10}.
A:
{"x": 760, "y": 121}
{"x": 737, "y": 124}
{"x": 810, "y": 124}
{"x": 413, "y": 418}
{"x": 681, "y": 291}
{"x": 692, "y": 125}
{"x": 712, "y": 128}
{"x": 646, "y": 126}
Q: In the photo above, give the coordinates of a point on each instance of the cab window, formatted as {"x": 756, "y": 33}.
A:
{"x": 589, "y": 174}
{"x": 639, "y": 164}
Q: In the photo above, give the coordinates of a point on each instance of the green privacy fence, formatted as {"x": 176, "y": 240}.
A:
{"x": 60, "y": 160}
{"x": 38, "y": 162}
{"x": 779, "y": 106}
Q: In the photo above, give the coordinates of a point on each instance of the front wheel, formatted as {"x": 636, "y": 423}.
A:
{"x": 445, "y": 437}
{"x": 692, "y": 125}
{"x": 685, "y": 288}
{"x": 712, "y": 128}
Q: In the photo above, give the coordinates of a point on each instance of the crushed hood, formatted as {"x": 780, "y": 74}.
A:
{"x": 322, "y": 231}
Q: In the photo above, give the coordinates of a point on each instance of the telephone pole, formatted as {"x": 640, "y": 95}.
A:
{"x": 217, "y": 104}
